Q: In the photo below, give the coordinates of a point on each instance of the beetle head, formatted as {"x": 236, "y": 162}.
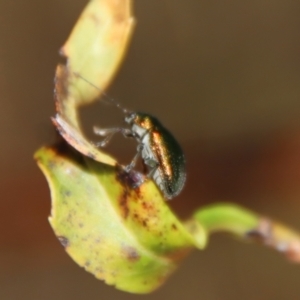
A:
{"x": 129, "y": 117}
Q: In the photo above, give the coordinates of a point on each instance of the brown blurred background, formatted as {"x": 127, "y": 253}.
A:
{"x": 223, "y": 76}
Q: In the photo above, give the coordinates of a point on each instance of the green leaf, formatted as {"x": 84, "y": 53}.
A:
{"x": 127, "y": 237}
{"x": 96, "y": 47}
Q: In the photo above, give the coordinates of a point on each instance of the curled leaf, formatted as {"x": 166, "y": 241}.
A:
{"x": 127, "y": 237}
{"x": 96, "y": 47}
{"x": 94, "y": 51}
{"x": 77, "y": 140}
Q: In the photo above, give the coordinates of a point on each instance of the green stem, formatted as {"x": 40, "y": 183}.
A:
{"x": 227, "y": 218}
{"x": 249, "y": 226}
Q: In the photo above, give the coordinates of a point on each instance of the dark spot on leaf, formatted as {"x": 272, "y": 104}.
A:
{"x": 99, "y": 271}
{"x": 131, "y": 253}
{"x": 68, "y": 193}
{"x": 123, "y": 201}
{"x": 113, "y": 274}
{"x": 143, "y": 221}
{"x": 80, "y": 225}
{"x": 149, "y": 207}
{"x": 97, "y": 240}
{"x": 132, "y": 179}
{"x": 70, "y": 218}
{"x": 122, "y": 177}
{"x": 87, "y": 264}
{"x": 174, "y": 227}
{"x": 65, "y": 193}
{"x": 130, "y": 182}
{"x": 64, "y": 241}
{"x": 51, "y": 164}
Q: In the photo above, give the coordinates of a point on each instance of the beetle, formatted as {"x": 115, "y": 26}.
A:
{"x": 159, "y": 150}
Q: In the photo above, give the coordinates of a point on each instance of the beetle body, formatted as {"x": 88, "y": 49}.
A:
{"x": 160, "y": 152}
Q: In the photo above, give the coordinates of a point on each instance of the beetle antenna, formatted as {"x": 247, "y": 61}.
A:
{"x": 107, "y": 97}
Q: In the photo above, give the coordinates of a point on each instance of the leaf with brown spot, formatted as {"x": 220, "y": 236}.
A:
{"x": 126, "y": 253}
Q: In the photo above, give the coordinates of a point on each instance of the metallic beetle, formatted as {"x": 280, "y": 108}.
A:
{"x": 159, "y": 150}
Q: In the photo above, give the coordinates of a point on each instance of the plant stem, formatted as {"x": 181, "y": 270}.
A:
{"x": 249, "y": 226}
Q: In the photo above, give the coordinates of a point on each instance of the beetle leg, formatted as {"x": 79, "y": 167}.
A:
{"x": 129, "y": 167}
{"x": 153, "y": 165}
{"x": 107, "y": 133}
{"x": 127, "y": 132}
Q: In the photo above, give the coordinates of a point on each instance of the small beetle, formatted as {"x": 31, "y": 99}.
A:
{"x": 159, "y": 150}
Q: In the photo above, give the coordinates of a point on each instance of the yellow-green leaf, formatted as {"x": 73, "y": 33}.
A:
{"x": 96, "y": 47}
{"x": 93, "y": 51}
{"x": 127, "y": 237}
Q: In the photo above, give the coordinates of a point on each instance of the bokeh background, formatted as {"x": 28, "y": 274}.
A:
{"x": 223, "y": 76}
